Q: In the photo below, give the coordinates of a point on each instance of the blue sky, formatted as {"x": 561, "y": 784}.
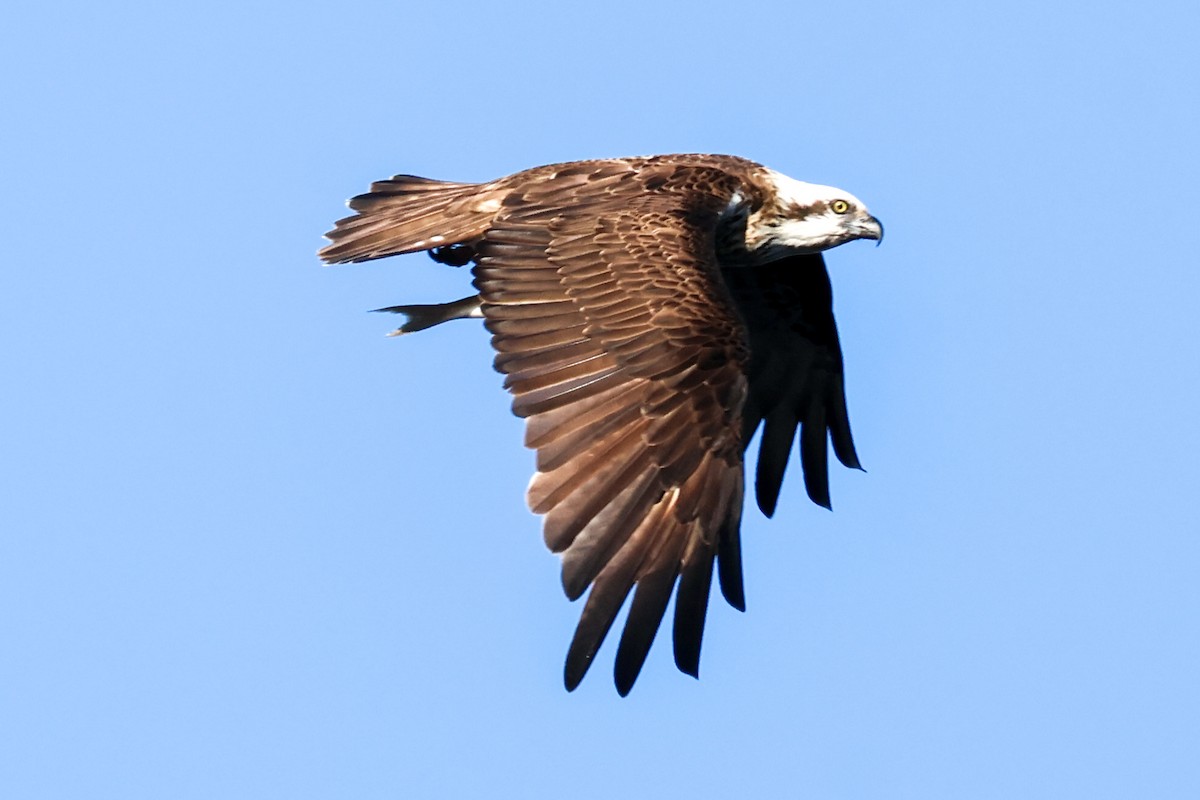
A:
{"x": 253, "y": 548}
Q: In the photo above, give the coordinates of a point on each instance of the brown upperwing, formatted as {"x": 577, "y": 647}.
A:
{"x": 623, "y": 351}
{"x": 405, "y": 214}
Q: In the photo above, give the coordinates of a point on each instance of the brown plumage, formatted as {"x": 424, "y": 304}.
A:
{"x": 648, "y": 314}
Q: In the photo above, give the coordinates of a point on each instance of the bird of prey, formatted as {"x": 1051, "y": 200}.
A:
{"x": 649, "y": 314}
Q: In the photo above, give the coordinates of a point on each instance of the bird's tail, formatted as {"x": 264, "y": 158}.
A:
{"x": 405, "y": 214}
{"x": 420, "y": 317}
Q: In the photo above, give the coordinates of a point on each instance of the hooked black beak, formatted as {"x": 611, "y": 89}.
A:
{"x": 871, "y": 228}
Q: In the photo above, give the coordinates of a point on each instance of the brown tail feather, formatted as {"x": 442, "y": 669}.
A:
{"x": 406, "y": 214}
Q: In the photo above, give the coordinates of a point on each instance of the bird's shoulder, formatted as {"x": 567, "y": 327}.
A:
{"x": 693, "y": 179}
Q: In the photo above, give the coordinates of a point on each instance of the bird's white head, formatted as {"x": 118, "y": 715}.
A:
{"x": 807, "y": 218}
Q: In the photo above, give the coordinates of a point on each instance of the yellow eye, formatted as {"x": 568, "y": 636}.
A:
{"x": 839, "y": 206}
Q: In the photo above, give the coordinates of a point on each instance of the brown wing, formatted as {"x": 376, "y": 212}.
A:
{"x": 623, "y": 352}
{"x": 407, "y": 213}
{"x": 796, "y": 378}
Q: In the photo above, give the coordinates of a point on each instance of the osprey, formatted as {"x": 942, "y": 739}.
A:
{"x": 649, "y": 314}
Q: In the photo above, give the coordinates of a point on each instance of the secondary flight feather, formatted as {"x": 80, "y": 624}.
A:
{"x": 649, "y": 315}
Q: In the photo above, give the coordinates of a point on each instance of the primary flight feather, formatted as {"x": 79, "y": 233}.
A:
{"x": 649, "y": 314}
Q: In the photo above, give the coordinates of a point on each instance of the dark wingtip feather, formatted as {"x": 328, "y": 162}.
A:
{"x": 843, "y": 448}
{"x": 729, "y": 566}
{"x": 816, "y": 483}
{"x": 773, "y": 452}
{"x": 573, "y": 674}
{"x": 691, "y": 607}
{"x": 582, "y": 653}
{"x": 689, "y": 667}
{"x": 839, "y": 428}
{"x": 597, "y": 618}
{"x": 848, "y": 459}
{"x": 814, "y": 456}
{"x": 734, "y": 595}
{"x": 649, "y": 604}
{"x": 767, "y": 497}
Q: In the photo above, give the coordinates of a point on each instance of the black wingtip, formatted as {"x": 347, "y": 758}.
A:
{"x": 572, "y": 676}
{"x": 735, "y": 596}
{"x": 729, "y": 567}
{"x": 849, "y": 458}
{"x": 627, "y": 669}
{"x": 849, "y": 464}
{"x": 631, "y": 656}
{"x": 817, "y": 488}
{"x": 687, "y": 648}
{"x": 767, "y": 499}
{"x": 773, "y": 452}
{"x": 579, "y": 660}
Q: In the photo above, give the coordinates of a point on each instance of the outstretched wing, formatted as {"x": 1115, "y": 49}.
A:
{"x": 625, "y": 355}
{"x": 796, "y": 378}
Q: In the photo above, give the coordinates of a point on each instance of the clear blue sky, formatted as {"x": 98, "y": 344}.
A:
{"x": 252, "y": 548}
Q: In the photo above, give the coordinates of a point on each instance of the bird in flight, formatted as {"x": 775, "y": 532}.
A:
{"x": 649, "y": 314}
